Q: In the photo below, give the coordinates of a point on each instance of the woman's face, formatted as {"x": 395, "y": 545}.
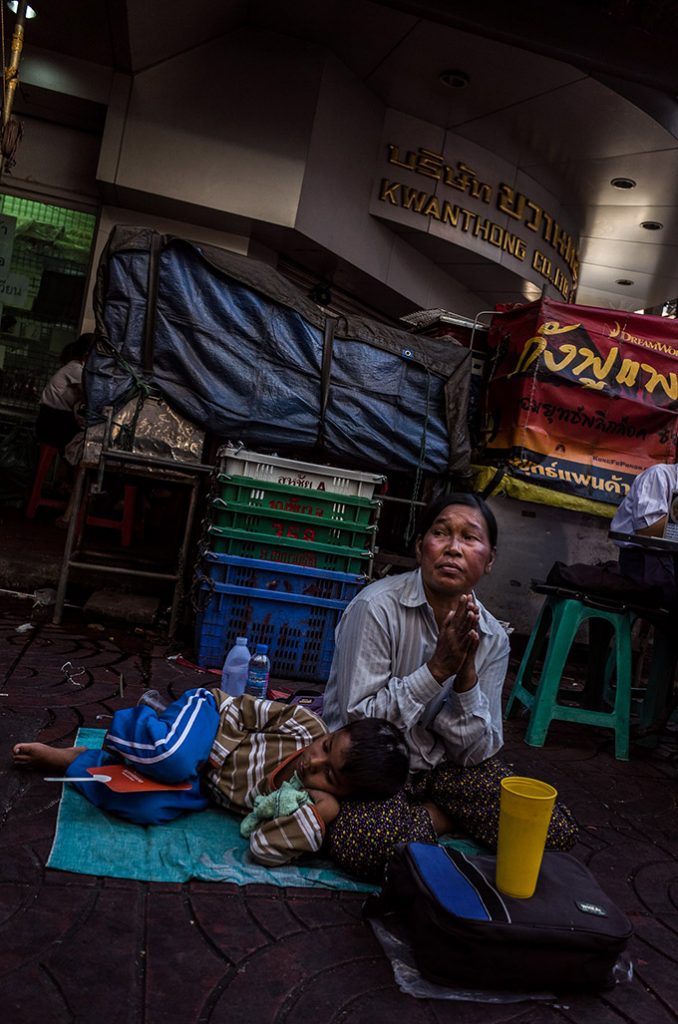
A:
{"x": 455, "y": 552}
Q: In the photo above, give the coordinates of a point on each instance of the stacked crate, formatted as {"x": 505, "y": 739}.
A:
{"x": 287, "y": 545}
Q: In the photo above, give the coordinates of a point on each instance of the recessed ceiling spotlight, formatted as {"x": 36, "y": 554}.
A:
{"x": 454, "y": 79}
{"x": 625, "y": 281}
{"x": 14, "y": 7}
{"x": 651, "y": 225}
{"x": 623, "y": 183}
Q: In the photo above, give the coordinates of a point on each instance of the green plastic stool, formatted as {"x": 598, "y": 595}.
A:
{"x": 555, "y": 630}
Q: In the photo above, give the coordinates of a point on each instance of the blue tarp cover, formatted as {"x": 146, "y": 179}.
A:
{"x": 237, "y": 349}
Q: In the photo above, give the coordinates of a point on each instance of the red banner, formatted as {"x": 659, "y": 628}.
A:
{"x": 580, "y": 400}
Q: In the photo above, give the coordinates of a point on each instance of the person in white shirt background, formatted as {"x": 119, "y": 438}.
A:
{"x": 420, "y": 650}
{"x": 644, "y": 511}
{"x": 59, "y": 417}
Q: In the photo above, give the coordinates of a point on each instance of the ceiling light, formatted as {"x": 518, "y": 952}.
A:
{"x": 14, "y": 6}
{"x": 625, "y": 281}
{"x": 651, "y": 225}
{"x": 531, "y": 292}
{"x": 623, "y": 183}
{"x": 454, "y": 79}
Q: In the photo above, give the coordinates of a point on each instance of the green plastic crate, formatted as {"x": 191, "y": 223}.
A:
{"x": 269, "y": 548}
{"x": 292, "y": 525}
{"x": 345, "y": 508}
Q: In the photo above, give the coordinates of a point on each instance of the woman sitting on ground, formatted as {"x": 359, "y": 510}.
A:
{"x": 421, "y": 651}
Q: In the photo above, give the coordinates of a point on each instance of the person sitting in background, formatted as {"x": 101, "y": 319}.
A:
{"x": 59, "y": 414}
{"x": 237, "y": 752}
{"x": 644, "y": 511}
{"x": 421, "y": 651}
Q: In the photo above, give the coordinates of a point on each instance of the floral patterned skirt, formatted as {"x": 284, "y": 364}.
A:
{"x": 362, "y": 837}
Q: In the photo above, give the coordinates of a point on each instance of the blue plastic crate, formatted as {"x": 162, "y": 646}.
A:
{"x": 284, "y": 610}
{"x": 280, "y": 577}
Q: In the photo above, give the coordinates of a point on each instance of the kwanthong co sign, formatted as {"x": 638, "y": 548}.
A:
{"x": 461, "y": 193}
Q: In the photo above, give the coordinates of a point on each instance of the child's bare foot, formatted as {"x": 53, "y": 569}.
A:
{"x": 38, "y": 756}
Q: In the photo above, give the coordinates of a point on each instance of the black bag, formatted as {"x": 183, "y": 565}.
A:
{"x": 606, "y": 581}
{"x": 567, "y": 937}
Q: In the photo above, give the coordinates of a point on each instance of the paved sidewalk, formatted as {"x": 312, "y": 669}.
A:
{"x": 77, "y": 948}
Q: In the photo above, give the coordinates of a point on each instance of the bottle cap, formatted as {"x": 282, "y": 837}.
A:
{"x": 241, "y": 640}
{"x": 262, "y": 648}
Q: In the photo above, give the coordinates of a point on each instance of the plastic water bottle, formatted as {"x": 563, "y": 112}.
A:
{"x": 234, "y": 672}
{"x": 258, "y": 672}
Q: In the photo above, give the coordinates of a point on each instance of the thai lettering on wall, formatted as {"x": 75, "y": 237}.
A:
{"x": 466, "y": 206}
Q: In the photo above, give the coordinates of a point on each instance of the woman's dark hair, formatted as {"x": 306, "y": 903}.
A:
{"x": 378, "y": 761}
{"x": 77, "y": 349}
{"x": 435, "y": 507}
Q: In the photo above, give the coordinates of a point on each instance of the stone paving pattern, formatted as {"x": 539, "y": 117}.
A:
{"x": 76, "y": 948}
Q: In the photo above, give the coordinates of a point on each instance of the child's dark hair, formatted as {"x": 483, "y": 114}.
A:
{"x": 377, "y": 762}
{"x": 432, "y": 511}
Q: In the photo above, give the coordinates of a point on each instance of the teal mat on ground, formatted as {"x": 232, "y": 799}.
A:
{"x": 206, "y": 846}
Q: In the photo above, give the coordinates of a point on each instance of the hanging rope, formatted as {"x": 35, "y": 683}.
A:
{"x": 140, "y": 386}
{"x": 12, "y": 134}
{"x": 127, "y": 431}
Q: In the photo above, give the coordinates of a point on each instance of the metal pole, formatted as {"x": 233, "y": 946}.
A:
{"x": 181, "y": 565}
{"x": 11, "y": 72}
{"x": 68, "y": 549}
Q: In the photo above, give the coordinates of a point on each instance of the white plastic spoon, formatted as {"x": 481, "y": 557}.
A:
{"x": 79, "y": 778}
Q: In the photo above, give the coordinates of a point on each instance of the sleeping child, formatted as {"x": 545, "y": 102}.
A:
{"x": 276, "y": 761}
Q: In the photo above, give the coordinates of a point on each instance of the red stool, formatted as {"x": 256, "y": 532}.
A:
{"x": 125, "y": 525}
{"x": 48, "y": 453}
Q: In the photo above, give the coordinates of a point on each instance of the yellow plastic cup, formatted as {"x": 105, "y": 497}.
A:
{"x": 525, "y": 808}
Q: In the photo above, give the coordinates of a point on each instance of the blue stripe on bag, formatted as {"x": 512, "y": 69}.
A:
{"x": 456, "y": 884}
